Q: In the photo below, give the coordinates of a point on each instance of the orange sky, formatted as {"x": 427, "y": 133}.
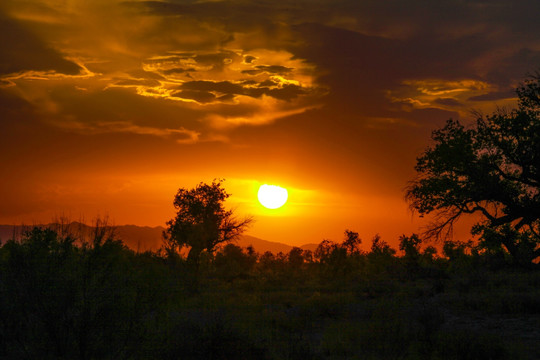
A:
{"x": 108, "y": 107}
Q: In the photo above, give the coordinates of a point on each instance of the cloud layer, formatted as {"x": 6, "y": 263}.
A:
{"x": 232, "y": 60}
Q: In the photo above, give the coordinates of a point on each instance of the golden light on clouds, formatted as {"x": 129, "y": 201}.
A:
{"x": 462, "y": 96}
{"x": 110, "y": 106}
{"x": 223, "y": 87}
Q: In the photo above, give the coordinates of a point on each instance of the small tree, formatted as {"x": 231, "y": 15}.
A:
{"x": 352, "y": 242}
{"x": 201, "y": 221}
{"x": 491, "y": 169}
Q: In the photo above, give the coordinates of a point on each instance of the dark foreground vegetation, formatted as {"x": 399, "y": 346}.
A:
{"x": 66, "y": 297}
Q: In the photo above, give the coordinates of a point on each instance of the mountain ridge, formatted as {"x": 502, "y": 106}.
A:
{"x": 147, "y": 238}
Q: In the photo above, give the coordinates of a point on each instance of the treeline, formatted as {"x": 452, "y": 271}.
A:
{"x": 64, "y": 297}
{"x": 343, "y": 262}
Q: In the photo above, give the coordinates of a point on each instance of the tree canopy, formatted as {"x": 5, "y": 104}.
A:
{"x": 201, "y": 221}
{"x": 491, "y": 168}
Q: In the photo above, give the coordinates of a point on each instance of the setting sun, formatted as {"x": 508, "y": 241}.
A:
{"x": 272, "y": 196}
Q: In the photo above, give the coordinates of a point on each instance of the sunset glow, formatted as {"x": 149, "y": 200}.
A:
{"x": 108, "y": 107}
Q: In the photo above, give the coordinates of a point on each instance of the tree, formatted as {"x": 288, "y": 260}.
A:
{"x": 233, "y": 262}
{"x": 410, "y": 245}
{"x": 491, "y": 168}
{"x": 201, "y": 221}
{"x": 62, "y": 297}
{"x": 352, "y": 242}
{"x": 296, "y": 258}
{"x": 380, "y": 248}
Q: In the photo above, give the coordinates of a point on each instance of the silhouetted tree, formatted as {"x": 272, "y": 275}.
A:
{"x": 233, "y": 262}
{"x": 352, "y": 242}
{"x": 296, "y": 258}
{"x": 63, "y": 301}
{"x": 201, "y": 222}
{"x": 308, "y": 256}
{"x": 414, "y": 259}
{"x": 380, "y": 247}
{"x": 324, "y": 250}
{"x": 491, "y": 168}
{"x": 410, "y": 245}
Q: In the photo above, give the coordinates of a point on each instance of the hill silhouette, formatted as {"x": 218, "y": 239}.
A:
{"x": 144, "y": 238}
{"x": 261, "y": 245}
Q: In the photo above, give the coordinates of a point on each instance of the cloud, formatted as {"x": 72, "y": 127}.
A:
{"x": 137, "y": 82}
{"x": 237, "y": 60}
{"x": 270, "y": 69}
{"x": 21, "y": 50}
{"x": 248, "y": 59}
{"x": 225, "y": 87}
{"x": 219, "y": 80}
{"x": 224, "y": 121}
{"x": 274, "y": 88}
{"x": 447, "y": 102}
{"x": 174, "y": 71}
{"x": 202, "y": 97}
{"x": 181, "y": 135}
{"x": 494, "y": 96}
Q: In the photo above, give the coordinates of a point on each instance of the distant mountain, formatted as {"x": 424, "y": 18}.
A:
{"x": 262, "y": 246}
{"x": 140, "y": 238}
{"x": 143, "y": 238}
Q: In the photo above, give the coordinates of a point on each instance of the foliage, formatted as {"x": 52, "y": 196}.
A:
{"x": 491, "y": 169}
{"x": 201, "y": 220}
{"x": 233, "y": 262}
{"x": 59, "y": 300}
{"x": 202, "y": 223}
{"x": 61, "y": 297}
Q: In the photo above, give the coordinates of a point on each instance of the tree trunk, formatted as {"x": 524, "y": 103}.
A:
{"x": 193, "y": 262}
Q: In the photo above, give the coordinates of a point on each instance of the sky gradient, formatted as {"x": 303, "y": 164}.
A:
{"x": 108, "y": 107}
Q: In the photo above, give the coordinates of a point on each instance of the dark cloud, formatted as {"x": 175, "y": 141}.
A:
{"x": 448, "y": 102}
{"x": 285, "y": 92}
{"x": 119, "y": 104}
{"x": 178, "y": 71}
{"x": 389, "y": 61}
{"x": 361, "y": 70}
{"x": 226, "y": 98}
{"x": 517, "y": 65}
{"x": 431, "y": 116}
{"x": 225, "y": 87}
{"x": 185, "y": 63}
{"x": 251, "y": 72}
{"x": 136, "y": 82}
{"x": 217, "y": 60}
{"x": 267, "y": 83}
{"x": 494, "y": 96}
{"x": 274, "y": 69}
{"x": 236, "y": 13}
{"x": 252, "y": 82}
{"x": 22, "y": 50}
{"x": 199, "y": 96}
{"x": 248, "y": 59}
{"x": 141, "y": 74}
{"x": 270, "y": 69}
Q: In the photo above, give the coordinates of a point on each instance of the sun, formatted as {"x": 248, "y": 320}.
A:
{"x": 272, "y": 196}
